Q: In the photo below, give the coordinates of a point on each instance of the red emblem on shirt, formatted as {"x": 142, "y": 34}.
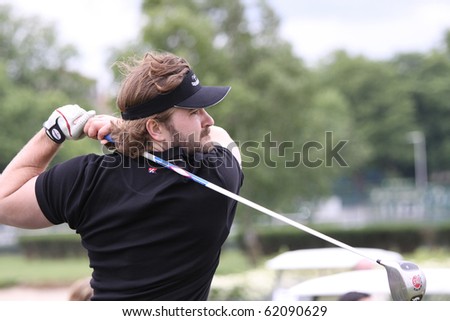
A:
{"x": 152, "y": 170}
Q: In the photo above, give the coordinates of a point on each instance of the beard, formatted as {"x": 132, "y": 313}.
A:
{"x": 191, "y": 143}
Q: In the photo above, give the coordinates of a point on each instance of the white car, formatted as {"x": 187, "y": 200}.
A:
{"x": 329, "y": 258}
{"x": 373, "y": 282}
{"x": 309, "y": 265}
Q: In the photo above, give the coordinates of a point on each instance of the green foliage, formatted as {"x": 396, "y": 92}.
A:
{"x": 381, "y": 109}
{"x": 427, "y": 79}
{"x": 404, "y": 238}
{"x": 232, "y": 261}
{"x": 34, "y": 80}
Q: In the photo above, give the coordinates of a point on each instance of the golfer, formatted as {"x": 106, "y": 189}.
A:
{"x": 150, "y": 233}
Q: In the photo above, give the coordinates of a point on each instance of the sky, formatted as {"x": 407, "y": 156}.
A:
{"x": 377, "y": 29}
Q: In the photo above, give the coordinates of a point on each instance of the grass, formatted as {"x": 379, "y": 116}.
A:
{"x": 17, "y": 270}
{"x": 233, "y": 261}
{"x": 434, "y": 257}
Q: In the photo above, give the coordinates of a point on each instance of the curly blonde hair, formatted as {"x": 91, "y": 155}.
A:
{"x": 156, "y": 73}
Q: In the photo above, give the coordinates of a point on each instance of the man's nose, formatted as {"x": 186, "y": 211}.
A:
{"x": 207, "y": 119}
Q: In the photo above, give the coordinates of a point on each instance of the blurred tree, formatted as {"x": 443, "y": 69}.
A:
{"x": 381, "y": 108}
{"x": 34, "y": 80}
{"x": 382, "y": 114}
{"x": 427, "y": 77}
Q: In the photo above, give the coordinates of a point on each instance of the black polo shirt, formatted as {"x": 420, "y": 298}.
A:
{"x": 150, "y": 233}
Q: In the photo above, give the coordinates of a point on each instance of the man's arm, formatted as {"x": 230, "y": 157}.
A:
{"x": 18, "y": 202}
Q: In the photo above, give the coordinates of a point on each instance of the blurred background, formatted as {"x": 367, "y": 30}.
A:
{"x": 340, "y": 108}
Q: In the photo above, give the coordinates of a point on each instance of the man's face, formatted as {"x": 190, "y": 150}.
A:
{"x": 189, "y": 128}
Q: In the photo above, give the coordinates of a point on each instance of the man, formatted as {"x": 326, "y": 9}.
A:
{"x": 150, "y": 233}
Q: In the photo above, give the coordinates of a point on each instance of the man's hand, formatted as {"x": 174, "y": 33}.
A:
{"x": 99, "y": 126}
{"x": 67, "y": 122}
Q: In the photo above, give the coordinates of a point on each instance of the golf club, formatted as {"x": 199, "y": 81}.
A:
{"x": 406, "y": 281}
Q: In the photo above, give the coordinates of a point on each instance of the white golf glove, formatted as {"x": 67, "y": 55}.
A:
{"x": 67, "y": 122}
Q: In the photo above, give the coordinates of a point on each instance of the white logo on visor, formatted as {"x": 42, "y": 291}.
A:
{"x": 195, "y": 81}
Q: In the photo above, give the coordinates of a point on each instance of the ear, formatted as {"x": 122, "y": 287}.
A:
{"x": 156, "y": 130}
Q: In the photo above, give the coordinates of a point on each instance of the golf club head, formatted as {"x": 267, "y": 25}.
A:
{"x": 406, "y": 281}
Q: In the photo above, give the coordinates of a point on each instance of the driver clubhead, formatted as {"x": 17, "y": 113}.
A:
{"x": 406, "y": 281}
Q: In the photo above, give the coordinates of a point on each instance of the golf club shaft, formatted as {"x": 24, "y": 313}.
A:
{"x": 251, "y": 204}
